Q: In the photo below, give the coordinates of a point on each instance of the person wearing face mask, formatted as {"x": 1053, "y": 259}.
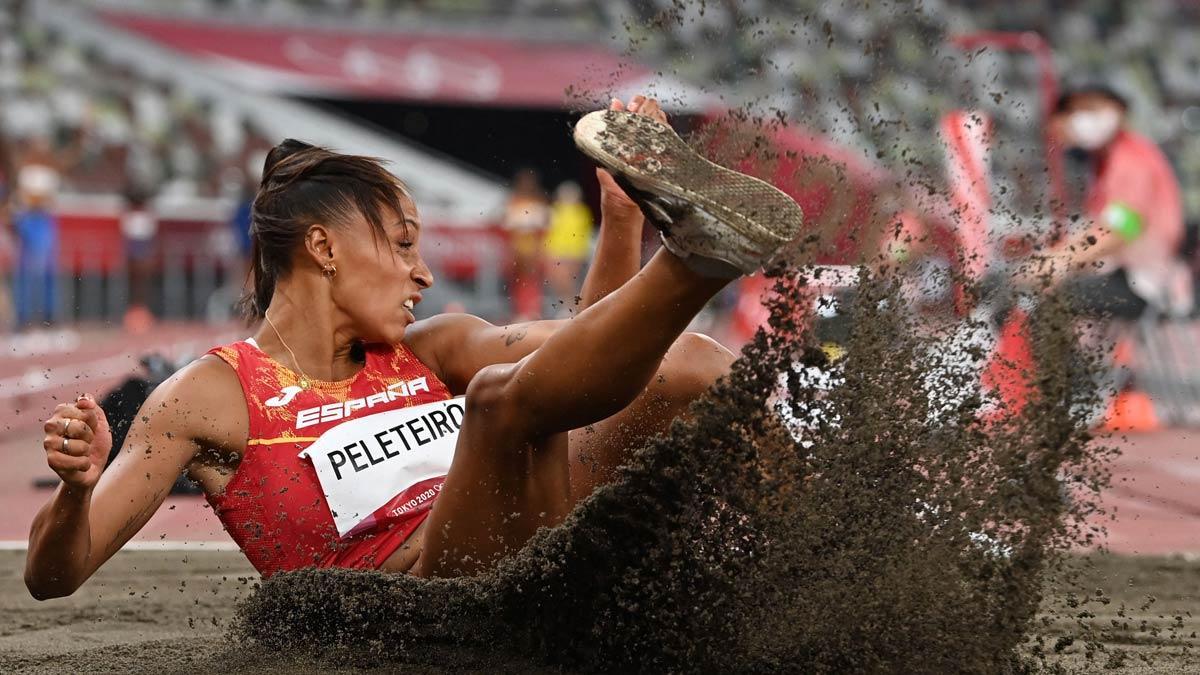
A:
{"x": 1121, "y": 258}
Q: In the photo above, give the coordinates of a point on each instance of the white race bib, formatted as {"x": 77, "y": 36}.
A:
{"x": 386, "y": 465}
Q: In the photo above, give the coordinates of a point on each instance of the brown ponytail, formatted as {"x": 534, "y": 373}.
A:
{"x": 304, "y": 184}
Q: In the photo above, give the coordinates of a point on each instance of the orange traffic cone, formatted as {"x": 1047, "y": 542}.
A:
{"x": 1131, "y": 410}
{"x": 1010, "y": 368}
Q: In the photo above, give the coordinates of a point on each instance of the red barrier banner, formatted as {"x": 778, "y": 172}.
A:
{"x": 424, "y": 66}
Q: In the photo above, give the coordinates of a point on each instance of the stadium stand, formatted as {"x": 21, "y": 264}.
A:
{"x": 120, "y": 119}
{"x": 852, "y": 72}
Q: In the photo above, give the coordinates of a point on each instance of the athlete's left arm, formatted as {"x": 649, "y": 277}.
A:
{"x": 457, "y": 346}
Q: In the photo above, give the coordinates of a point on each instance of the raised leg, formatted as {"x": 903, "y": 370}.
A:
{"x": 511, "y": 472}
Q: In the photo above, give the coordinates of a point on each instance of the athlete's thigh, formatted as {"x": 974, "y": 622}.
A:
{"x": 690, "y": 367}
{"x": 498, "y": 492}
{"x": 597, "y": 451}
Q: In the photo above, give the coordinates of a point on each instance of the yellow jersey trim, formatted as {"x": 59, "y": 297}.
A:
{"x": 274, "y": 441}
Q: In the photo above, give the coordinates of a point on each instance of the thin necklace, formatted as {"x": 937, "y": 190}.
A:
{"x": 304, "y": 376}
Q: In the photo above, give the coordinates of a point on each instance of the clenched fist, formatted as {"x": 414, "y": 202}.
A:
{"x": 77, "y": 442}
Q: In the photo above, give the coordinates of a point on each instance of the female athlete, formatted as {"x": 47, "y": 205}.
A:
{"x": 331, "y": 438}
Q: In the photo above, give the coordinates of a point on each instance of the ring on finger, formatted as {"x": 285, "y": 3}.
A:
{"x": 64, "y": 445}
{"x": 66, "y": 428}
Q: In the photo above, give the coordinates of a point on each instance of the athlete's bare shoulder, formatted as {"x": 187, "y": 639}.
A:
{"x": 457, "y": 346}
{"x": 433, "y": 339}
{"x": 202, "y": 401}
{"x": 442, "y": 326}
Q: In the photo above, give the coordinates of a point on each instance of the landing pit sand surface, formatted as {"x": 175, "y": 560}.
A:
{"x": 166, "y": 612}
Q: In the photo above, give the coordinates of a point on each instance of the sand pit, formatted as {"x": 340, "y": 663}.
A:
{"x": 155, "y": 612}
{"x": 150, "y": 612}
{"x": 144, "y": 610}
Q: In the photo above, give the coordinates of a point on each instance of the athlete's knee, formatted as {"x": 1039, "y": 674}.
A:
{"x": 487, "y": 391}
{"x": 692, "y": 365}
{"x": 490, "y": 396}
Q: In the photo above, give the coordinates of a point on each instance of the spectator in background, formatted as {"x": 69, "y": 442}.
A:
{"x": 568, "y": 241}
{"x": 253, "y": 151}
{"x": 7, "y": 247}
{"x": 240, "y": 222}
{"x": 525, "y": 220}
{"x": 248, "y": 166}
{"x": 37, "y": 236}
{"x": 7, "y": 178}
{"x": 1133, "y": 209}
{"x": 252, "y": 160}
{"x": 139, "y": 229}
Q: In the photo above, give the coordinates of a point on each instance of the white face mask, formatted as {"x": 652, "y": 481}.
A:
{"x": 1092, "y": 129}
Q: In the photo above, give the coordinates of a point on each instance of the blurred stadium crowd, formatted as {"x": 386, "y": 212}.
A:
{"x": 877, "y": 75}
{"x": 108, "y": 130}
{"x": 872, "y": 76}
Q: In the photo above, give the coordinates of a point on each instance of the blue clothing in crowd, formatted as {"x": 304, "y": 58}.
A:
{"x": 241, "y": 226}
{"x": 35, "y": 286}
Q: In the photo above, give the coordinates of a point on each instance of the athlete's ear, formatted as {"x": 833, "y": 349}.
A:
{"x": 318, "y": 244}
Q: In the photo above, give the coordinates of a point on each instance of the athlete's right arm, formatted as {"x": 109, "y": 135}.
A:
{"x": 95, "y": 511}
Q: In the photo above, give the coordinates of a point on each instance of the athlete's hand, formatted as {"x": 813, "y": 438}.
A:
{"x": 616, "y": 207}
{"x": 77, "y": 442}
{"x": 615, "y": 204}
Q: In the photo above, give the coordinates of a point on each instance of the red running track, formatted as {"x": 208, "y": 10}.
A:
{"x": 1155, "y": 494}
{"x": 1154, "y": 498}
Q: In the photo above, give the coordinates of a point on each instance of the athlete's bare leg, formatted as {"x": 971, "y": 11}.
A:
{"x": 511, "y": 472}
{"x": 512, "y": 469}
{"x": 692, "y": 364}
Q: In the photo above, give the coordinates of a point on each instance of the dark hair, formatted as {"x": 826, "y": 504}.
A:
{"x": 137, "y": 196}
{"x": 304, "y": 184}
{"x": 1063, "y": 104}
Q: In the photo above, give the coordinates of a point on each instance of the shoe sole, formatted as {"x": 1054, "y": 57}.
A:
{"x": 653, "y": 158}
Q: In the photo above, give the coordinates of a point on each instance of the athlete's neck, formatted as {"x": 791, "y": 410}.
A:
{"x": 323, "y": 349}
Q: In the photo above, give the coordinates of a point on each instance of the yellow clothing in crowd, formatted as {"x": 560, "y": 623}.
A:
{"x": 570, "y": 235}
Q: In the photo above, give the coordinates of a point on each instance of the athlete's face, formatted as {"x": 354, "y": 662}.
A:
{"x": 379, "y": 279}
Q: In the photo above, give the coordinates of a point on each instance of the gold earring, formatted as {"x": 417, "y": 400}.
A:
{"x": 329, "y": 270}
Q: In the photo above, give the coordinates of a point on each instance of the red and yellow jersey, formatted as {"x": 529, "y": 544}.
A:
{"x": 282, "y": 504}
